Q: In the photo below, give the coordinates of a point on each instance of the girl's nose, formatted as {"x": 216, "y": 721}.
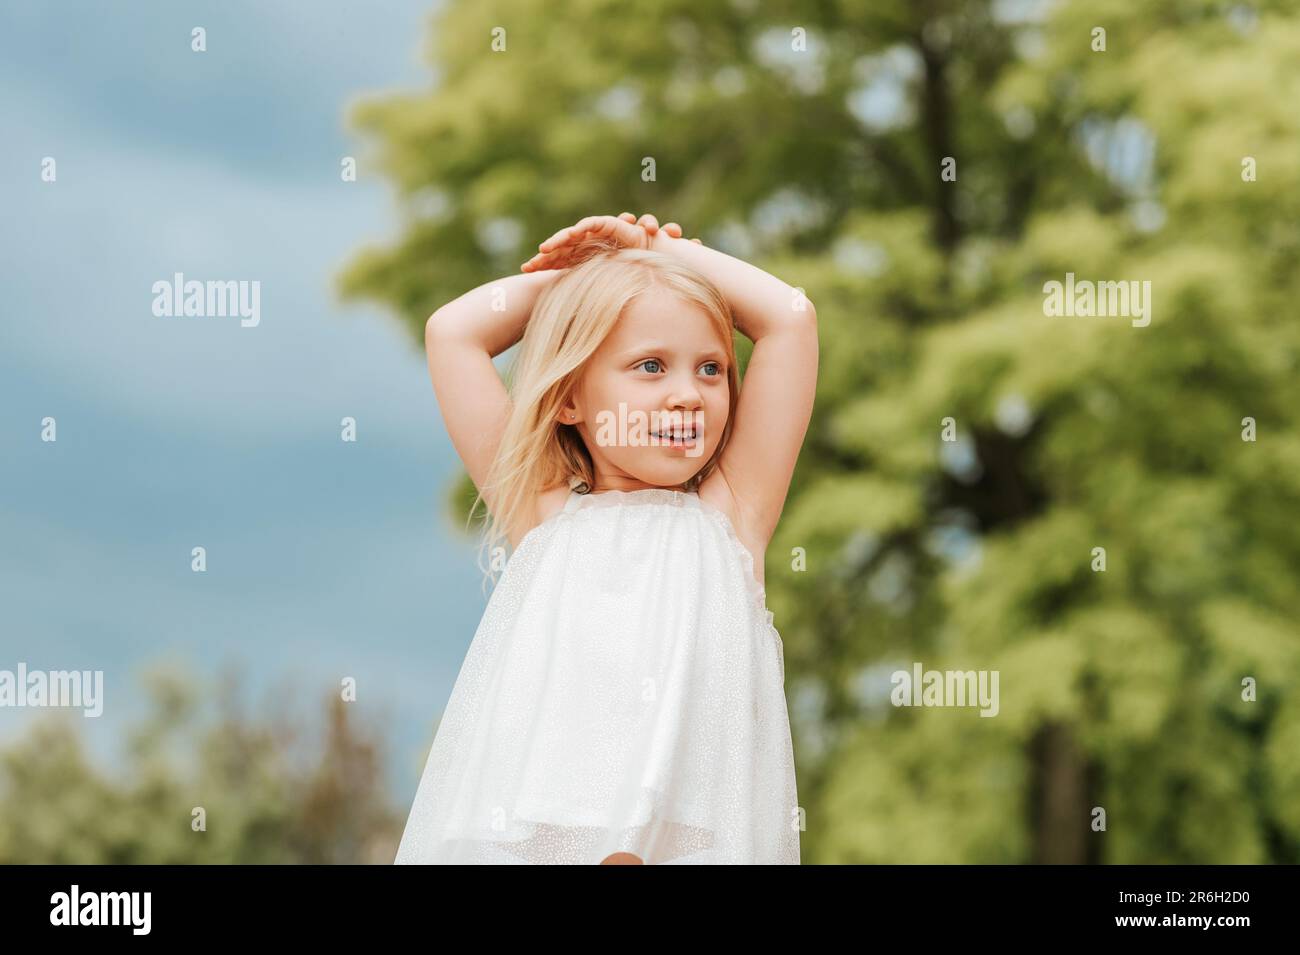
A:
{"x": 685, "y": 398}
{"x": 683, "y": 414}
{"x": 685, "y": 405}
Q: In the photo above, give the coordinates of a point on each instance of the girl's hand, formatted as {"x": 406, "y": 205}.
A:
{"x": 625, "y": 231}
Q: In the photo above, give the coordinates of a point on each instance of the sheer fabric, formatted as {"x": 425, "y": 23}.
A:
{"x": 624, "y": 692}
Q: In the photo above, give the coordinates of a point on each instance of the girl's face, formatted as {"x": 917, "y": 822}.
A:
{"x": 667, "y": 368}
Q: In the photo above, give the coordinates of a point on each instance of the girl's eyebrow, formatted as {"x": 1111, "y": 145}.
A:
{"x": 715, "y": 353}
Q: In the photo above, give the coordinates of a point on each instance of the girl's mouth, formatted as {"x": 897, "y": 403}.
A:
{"x": 676, "y": 438}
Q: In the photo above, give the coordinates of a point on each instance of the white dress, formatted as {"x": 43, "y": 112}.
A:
{"x": 624, "y": 692}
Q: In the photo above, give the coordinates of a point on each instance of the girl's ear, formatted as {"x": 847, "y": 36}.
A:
{"x": 569, "y": 412}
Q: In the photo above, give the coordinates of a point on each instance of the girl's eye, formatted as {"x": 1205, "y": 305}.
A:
{"x": 653, "y": 366}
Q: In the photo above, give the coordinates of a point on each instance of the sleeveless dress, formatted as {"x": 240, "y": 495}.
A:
{"x": 624, "y": 692}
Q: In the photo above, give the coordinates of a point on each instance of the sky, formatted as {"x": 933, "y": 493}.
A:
{"x": 325, "y": 559}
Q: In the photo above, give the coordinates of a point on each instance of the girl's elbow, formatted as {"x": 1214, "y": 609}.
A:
{"x": 802, "y": 306}
{"x": 805, "y": 311}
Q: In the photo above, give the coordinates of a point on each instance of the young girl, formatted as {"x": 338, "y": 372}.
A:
{"x": 623, "y": 698}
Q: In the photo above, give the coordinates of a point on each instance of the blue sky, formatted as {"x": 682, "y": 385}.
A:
{"x": 325, "y": 559}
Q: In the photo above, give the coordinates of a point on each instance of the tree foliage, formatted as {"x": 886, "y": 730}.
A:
{"x": 811, "y": 138}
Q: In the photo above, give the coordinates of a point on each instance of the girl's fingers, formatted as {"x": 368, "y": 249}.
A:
{"x": 597, "y": 225}
{"x": 583, "y": 226}
{"x": 623, "y": 232}
{"x": 572, "y": 232}
{"x": 675, "y": 230}
{"x": 624, "y": 228}
{"x": 545, "y": 260}
{"x": 553, "y": 241}
{"x": 631, "y": 234}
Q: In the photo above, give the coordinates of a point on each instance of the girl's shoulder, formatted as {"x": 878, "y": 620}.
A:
{"x": 546, "y": 504}
{"x": 551, "y": 501}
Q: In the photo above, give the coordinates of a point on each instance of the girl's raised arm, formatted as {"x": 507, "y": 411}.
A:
{"x": 460, "y": 339}
{"x": 776, "y": 397}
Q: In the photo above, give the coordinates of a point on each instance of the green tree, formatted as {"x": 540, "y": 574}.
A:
{"x": 814, "y": 139}
{"x": 270, "y": 792}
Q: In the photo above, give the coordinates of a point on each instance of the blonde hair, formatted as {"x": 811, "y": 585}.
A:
{"x": 569, "y": 321}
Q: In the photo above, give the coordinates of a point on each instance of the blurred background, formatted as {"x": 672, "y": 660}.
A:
{"x": 921, "y": 169}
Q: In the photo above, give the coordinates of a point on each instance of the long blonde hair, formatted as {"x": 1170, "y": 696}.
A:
{"x": 569, "y": 321}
